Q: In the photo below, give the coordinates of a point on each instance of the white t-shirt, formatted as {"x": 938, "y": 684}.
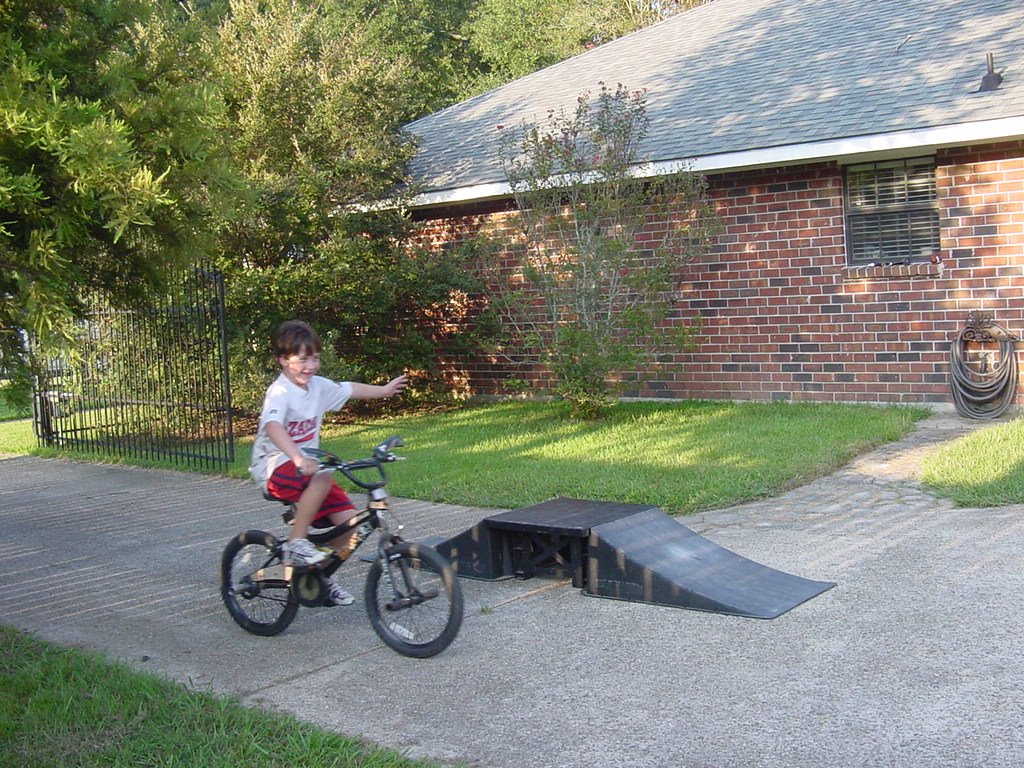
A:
{"x": 301, "y": 411}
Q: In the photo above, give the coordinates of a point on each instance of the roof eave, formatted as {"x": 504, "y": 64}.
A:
{"x": 849, "y": 149}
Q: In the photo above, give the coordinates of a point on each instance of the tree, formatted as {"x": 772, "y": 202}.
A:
{"x": 315, "y": 119}
{"x": 512, "y": 38}
{"x": 426, "y": 36}
{"x": 316, "y": 110}
{"x": 111, "y": 161}
{"x": 591, "y": 281}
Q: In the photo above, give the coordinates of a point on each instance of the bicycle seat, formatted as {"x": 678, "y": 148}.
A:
{"x": 289, "y": 514}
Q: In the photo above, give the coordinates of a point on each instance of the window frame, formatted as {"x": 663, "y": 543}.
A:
{"x": 899, "y": 215}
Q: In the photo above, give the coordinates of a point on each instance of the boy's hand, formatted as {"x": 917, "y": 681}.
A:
{"x": 396, "y": 386}
{"x": 308, "y": 466}
{"x": 371, "y": 391}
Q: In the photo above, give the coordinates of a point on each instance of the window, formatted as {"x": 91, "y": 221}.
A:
{"x": 892, "y": 211}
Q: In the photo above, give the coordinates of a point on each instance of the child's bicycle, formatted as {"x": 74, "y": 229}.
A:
{"x": 413, "y": 597}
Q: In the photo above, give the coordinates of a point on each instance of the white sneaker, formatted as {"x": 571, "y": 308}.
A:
{"x": 301, "y": 552}
{"x": 336, "y": 595}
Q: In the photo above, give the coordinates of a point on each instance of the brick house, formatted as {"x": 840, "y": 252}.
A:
{"x": 867, "y": 161}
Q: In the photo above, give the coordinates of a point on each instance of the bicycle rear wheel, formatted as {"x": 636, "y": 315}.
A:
{"x": 254, "y": 586}
{"x": 414, "y": 600}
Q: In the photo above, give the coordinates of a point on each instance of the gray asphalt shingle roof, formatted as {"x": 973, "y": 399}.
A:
{"x": 737, "y": 75}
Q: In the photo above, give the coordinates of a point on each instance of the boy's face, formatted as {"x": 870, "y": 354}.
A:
{"x": 300, "y": 368}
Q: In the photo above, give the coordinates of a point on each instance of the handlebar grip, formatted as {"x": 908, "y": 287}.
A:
{"x": 383, "y": 451}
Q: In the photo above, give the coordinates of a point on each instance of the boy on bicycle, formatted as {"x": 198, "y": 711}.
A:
{"x": 293, "y": 410}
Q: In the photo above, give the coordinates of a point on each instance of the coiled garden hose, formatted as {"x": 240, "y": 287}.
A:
{"x": 979, "y": 393}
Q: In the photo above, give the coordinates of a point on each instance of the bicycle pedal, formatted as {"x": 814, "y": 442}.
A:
{"x": 302, "y": 570}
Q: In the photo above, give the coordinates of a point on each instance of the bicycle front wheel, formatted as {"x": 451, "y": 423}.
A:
{"x": 414, "y": 600}
{"x": 254, "y": 584}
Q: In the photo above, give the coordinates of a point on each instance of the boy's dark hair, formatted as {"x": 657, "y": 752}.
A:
{"x": 292, "y": 337}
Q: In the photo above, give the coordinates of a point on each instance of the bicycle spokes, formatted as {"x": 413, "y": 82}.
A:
{"x": 413, "y": 600}
{"x": 255, "y": 584}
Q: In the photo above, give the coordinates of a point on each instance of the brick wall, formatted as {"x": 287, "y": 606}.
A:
{"x": 784, "y": 318}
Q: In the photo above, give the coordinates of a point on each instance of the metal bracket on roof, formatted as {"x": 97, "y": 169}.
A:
{"x": 992, "y": 79}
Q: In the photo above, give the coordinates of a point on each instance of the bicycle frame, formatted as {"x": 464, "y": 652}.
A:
{"x": 262, "y": 591}
{"x": 376, "y": 514}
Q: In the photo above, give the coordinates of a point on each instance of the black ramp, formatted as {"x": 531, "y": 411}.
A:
{"x": 650, "y": 557}
{"x": 476, "y": 553}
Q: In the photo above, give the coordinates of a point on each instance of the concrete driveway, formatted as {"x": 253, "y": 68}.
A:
{"x": 916, "y": 658}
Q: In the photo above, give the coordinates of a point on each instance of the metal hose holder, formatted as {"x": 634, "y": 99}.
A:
{"x": 983, "y": 380}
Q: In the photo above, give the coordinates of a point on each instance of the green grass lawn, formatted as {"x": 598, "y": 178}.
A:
{"x": 17, "y": 436}
{"x": 683, "y": 457}
{"x": 63, "y": 707}
{"x": 982, "y": 469}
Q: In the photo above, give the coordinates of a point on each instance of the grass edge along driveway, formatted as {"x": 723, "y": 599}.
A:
{"x": 684, "y": 457}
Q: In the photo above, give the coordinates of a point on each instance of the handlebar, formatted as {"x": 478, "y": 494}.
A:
{"x": 382, "y": 454}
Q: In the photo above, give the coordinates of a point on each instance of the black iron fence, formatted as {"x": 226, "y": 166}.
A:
{"x": 148, "y": 383}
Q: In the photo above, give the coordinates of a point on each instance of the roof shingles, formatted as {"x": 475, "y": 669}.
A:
{"x": 736, "y": 75}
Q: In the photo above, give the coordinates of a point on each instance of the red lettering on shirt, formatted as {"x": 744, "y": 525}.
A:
{"x": 302, "y": 431}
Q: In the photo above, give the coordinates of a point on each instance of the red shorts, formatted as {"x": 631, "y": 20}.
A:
{"x": 287, "y": 484}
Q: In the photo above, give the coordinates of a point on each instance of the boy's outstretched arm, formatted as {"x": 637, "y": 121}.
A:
{"x": 374, "y": 391}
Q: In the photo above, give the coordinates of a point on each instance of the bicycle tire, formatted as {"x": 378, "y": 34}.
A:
{"x": 253, "y": 584}
{"x": 416, "y": 626}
